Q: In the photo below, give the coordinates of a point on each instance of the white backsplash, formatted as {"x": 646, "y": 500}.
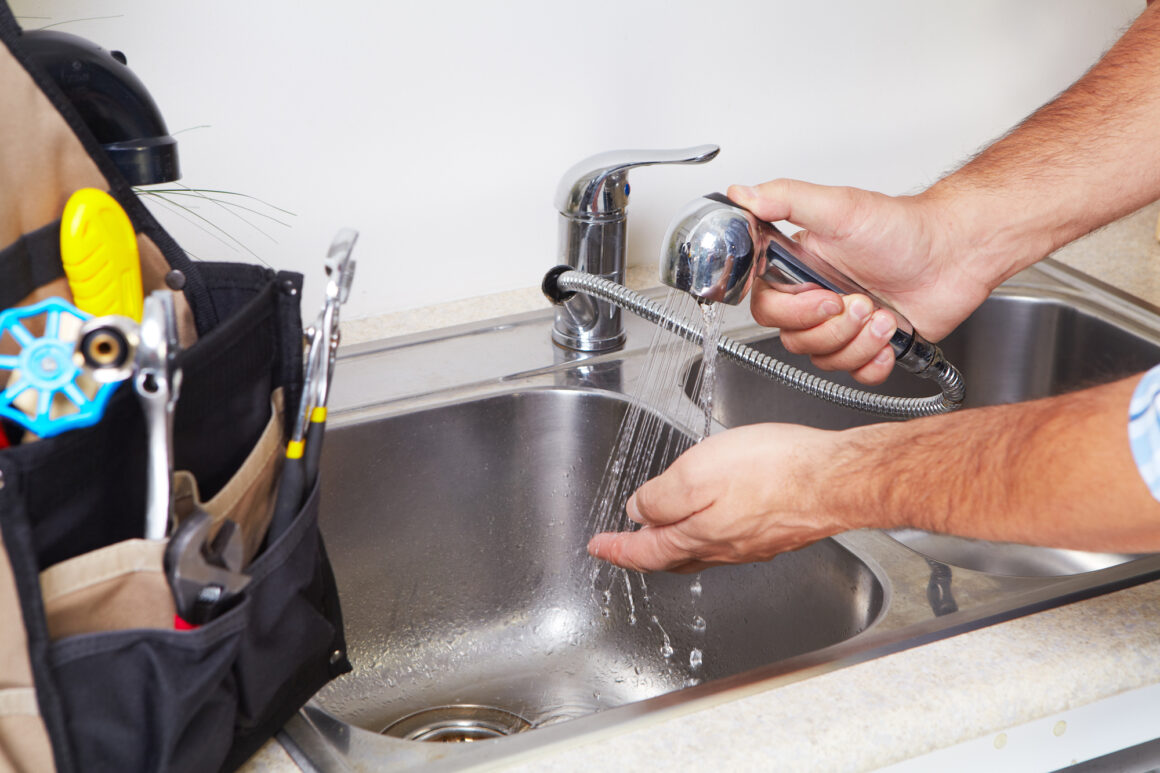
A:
{"x": 440, "y": 129}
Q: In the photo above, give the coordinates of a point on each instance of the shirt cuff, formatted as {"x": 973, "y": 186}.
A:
{"x": 1144, "y": 429}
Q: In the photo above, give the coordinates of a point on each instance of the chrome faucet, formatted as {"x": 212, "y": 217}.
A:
{"x": 715, "y": 247}
{"x": 712, "y": 251}
{"x": 592, "y": 199}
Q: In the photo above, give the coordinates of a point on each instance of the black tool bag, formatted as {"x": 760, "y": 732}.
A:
{"x": 93, "y": 675}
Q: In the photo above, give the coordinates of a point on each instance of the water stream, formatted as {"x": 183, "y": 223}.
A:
{"x": 711, "y": 317}
{"x": 645, "y": 446}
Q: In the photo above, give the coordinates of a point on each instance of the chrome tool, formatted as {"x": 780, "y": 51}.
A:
{"x": 157, "y": 382}
{"x": 204, "y": 572}
{"x": 305, "y": 447}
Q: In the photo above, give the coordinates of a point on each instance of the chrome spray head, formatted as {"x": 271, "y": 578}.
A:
{"x": 714, "y": 248}
{"x": 709, "y": 249}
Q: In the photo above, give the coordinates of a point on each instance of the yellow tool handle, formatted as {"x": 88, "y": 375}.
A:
{"x": 98, "y": 248}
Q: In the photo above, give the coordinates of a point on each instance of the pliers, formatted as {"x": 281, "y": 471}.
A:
{"x": 304, "y": 450}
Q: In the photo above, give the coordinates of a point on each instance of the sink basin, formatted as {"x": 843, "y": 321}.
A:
{"x": 457, "y": 536}
{"x": 1015, "y": 347}
{"x": 458, "y": 474}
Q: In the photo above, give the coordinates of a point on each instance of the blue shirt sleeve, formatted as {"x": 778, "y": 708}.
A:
{"x": 1144, "y": 429}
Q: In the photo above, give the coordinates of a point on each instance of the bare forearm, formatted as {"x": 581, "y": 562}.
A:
{"x": 1057, "y": 471}
{"x": 1083, "y": 160}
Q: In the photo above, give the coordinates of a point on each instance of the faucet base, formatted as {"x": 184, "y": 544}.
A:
{"x": 583, "y": 323}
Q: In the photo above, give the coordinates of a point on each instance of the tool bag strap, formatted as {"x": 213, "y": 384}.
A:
{"x": 46, "y": 153}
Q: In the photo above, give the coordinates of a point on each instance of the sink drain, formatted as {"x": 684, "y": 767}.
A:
{"x": 457, "y": 724}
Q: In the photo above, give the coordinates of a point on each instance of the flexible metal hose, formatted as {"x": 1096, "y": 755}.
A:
{"x": 944, "y": 374}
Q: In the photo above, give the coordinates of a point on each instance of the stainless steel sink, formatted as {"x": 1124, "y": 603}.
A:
{"x": 1017, "y": 346}
{"x": 459, "y": 471}
{"x": 458, "y": 535}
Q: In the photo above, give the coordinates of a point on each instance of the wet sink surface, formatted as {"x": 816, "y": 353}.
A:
{"x": 456, "y": 513}
{"x": 457, "y": 536}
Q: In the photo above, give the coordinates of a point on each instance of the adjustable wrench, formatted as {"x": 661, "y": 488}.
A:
{"x": 204, "y": 574}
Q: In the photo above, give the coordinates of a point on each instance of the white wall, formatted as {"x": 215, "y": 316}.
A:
{"x": 440, "y": 129}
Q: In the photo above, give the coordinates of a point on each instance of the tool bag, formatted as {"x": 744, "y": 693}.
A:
{"x": 93, "y": 675}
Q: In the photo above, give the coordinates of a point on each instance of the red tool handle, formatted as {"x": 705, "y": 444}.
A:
{"x": 179, "y": 624}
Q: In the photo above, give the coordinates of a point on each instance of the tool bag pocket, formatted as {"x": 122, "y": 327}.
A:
{"x": 87, "y": 486}
{"x": 117, "y": 587}
{"x": 206, "y": 699}
{"x": 240, "y": 676}
{"x": 151, "y": 699}
{"x": 293, "y": 644}
{"x": 124, "y": 585}
{"x": 117, "y": 687}
{"x": 248, "y": 498}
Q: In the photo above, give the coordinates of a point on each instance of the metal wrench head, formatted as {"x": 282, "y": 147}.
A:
{"x": 204, "y": 573}
{"x": 157, "y": 346}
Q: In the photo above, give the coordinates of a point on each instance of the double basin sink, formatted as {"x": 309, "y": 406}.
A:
{"x": 459, "y": 472}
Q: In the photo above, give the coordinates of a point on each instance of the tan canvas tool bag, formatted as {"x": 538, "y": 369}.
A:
{"x": 93, "y": 673}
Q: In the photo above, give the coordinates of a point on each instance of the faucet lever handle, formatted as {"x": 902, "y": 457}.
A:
{"x": 597, "y": 187}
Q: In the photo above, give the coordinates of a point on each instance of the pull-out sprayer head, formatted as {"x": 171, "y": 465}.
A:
{"x": 709, "y": 249}
{"x": 714, "y": 247}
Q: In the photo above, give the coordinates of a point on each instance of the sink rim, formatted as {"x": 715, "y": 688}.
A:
{"x": 1007, "y": 556}
{"x": 314, "y": 738}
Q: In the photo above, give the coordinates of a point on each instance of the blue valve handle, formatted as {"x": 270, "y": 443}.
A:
{"x": 45, "y": 367}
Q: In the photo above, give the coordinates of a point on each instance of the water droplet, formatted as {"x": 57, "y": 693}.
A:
{"x": 695, "y": 658}
{"x": 699, "y": 623}
{"x": 605, "y": 612}
{"x": 667, "y": 650}
{"x": 695, "y": 587}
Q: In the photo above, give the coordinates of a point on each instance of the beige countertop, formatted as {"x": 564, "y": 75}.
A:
{"x": 1124, "y": 254}
{"x": 977, "y": 685}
